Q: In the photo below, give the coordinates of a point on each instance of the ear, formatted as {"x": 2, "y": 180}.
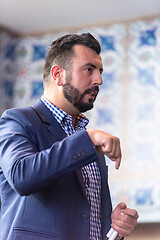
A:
{"x": 57, "y": 74}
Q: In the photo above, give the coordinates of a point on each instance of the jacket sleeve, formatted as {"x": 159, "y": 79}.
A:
{"x": 26, "y": 168}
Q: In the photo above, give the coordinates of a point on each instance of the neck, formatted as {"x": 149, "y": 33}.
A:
{"x": 62, "y": 103}
{"x": 73, "y": 121}
{"x": 66, "y": 107}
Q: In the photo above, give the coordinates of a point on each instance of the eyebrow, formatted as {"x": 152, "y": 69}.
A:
{"x": 93, "y": 66}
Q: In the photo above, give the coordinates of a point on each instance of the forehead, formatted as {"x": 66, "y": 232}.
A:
{"x": 85, "y": 54}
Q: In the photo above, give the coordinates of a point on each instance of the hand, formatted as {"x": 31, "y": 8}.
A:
{"x": 106, "y": 144}
{"x": 124, "y": 219}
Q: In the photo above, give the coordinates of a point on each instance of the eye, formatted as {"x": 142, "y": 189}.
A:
{"x": 89, "y": 69}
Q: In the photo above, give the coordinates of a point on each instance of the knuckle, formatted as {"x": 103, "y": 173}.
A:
{"x": 117, "y": 139}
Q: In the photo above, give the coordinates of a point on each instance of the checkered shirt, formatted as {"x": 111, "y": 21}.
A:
{"x": 91, "y": 173}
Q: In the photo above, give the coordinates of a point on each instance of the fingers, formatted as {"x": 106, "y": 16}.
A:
{"x": 117, "y": 154}
{"x": 106, "y": 144}
{"x": 111, "y": 149}
{"x": 130, "y": 212}
{"x": 124, "y": 229}
{"x": 125, "y": 223}
{"x": 121, "y": 206}
{"x": 124, "y": 226}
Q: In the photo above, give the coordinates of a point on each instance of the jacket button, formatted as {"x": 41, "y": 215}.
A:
{"x": 85, "y": 215}
{"x": 84, "y": 153}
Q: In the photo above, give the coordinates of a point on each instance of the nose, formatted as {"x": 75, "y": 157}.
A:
{"x": 97, "y": 80}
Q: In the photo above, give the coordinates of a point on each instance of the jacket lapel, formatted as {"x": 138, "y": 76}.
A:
{"x": 55, "y": 128}
{"x": 48, "y": 118}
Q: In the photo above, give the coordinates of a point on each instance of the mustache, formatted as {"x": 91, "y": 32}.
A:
{"x": 92, "y": 89}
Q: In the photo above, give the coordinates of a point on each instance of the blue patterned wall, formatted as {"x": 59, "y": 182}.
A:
{"x": 128, "y": 105}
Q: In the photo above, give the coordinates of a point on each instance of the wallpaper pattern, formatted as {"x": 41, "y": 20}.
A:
{"x": 128, "y": 104}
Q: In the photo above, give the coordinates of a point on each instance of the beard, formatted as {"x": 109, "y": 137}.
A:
{"x": 74, "y": 96}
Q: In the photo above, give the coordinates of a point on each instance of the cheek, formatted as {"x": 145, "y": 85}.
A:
{"x": 81, "y": 85}
{"x": 80, "y": 81}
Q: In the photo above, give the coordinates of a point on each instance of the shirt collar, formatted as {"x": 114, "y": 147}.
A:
{"x": 62, "y": 117}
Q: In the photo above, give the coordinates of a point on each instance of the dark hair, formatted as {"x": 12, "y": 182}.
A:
{"x": 61, "y": 50}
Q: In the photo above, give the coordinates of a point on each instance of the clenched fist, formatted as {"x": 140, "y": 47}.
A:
{"x": 124, "y": 220}
{"x": 106, "y": 144}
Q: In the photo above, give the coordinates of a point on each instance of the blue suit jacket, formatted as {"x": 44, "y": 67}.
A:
{"x": 41, "y": 186}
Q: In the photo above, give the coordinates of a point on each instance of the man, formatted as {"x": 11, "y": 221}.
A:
{"x": 53, "y": 178}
